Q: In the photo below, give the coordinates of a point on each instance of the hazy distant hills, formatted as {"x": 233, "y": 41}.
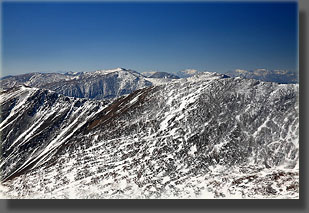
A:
{"x": 278, "y": 76}
{"x": 187, "y": 73}
{"x": 155, "y": 74}
{"x": 163, "y": 75}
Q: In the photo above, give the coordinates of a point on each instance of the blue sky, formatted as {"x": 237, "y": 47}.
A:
{"x": 167, "y": 37}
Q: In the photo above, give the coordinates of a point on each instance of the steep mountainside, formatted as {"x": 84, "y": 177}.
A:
{"x": 201, "y": 137}
{"x": 35, "y": 122}
{"x": 102, "y": 84}
{"x": 278, "y": 76}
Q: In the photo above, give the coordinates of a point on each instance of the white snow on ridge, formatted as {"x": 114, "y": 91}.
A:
{"x": 160, "y": 81}
{"x": 106, "y": 71}
{"x": 157, "y": 153}
{"x": 78, "y": 118}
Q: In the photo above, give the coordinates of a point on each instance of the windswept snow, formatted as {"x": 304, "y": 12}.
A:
{"x": 206, "y": 136}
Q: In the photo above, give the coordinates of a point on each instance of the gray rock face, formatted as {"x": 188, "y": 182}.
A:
{"x": 102, "y": 84}
{"x": 235, "y": 136}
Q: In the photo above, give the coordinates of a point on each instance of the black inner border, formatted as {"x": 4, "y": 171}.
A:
{"x": 186, "y": 205}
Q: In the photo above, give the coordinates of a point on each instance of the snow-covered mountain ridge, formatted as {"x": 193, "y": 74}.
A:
{"x": 35, "y": 122}
{"x": 207, "y": 136}
{"x": 101, "y": 84}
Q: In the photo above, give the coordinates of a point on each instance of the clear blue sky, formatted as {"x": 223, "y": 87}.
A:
{"x": 52, "y": 37}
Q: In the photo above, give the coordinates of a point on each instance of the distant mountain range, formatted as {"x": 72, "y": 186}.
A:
{"x": 163, "y": 75}
{"x": 109, "y": 84}
{"x": 278, "y": 76}
{"x": 101, "y": 84}
{"x": 154, "y": 74}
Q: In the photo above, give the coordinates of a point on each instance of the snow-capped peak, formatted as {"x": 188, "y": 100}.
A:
{"x": 109, "y": 71}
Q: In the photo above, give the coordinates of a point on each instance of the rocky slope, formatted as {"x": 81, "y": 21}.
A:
{"x": 207, "y": 136}
{"x": 35, "y": 122}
